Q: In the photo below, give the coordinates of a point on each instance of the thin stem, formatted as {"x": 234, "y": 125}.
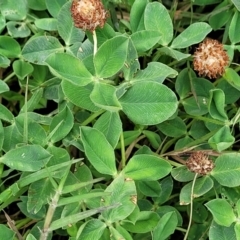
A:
{"x": 94, "y": 43}
{"x": 92, "y": 117}
{"x": 25, "y": 135}
{"x": 191, "y": 207}
{"x": 52, "y": 206}
{"x": 9, "y": 77}
{"x": 123, "y": 162}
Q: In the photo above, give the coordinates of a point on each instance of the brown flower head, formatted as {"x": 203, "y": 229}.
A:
{"x": 88, "y": 14}
{"x": 210, "y": 59}
{"x": 199, "y": 162}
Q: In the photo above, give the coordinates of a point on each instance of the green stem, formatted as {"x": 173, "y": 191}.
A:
{"x": 25, "y": 130}
{"x": 123, "y": 161}
{"x": 191, "y": 207}
{"x": 92, "y": 117}
{"x": 94, "y": 43}
{"x": 53, "y": 206}
{"x": 9, "y": 77}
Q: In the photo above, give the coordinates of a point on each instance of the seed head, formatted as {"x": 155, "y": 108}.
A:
{"x": 210, "y": 59}
{"x": 199, "y": 162}
{"x": 88, "y": 14}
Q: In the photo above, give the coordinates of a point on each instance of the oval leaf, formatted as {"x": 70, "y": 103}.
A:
{"x": 145, "y": 40}
{"x": 27, "y": 158}
{"x": 195, "y": 33}
{"x": 98, "y": 150}
{"x": 157, "y": 18}
{"x": 227, "y": 169}
{"x": 222, "y": 212}
{"x": 70, "y": 68}
{"x": 147, "y": 168}
{"x": 36, "y": 50}
{"x": 202, "y": 186}
{"x": 149, "y": 103}
{"x": 111, "y": 56}
{"x": 104, "y": 96}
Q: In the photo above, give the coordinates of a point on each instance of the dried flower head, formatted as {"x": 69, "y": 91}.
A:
{"x": 210, "y": 59}
{"x": 199, "y": 162}
{"x": 88, "y": 14}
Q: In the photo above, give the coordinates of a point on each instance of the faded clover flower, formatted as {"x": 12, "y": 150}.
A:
{"x": 210, "y": 59}
{"x": 88, "y": 14}
{"x": 199, "y": 162}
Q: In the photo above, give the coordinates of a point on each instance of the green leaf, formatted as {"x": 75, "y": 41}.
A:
{"x": 174, "y": 128}
{"x": 104, "y": 96}
{"x": 61, "y": 124}
{"x": 27, "y": 158}
{"x": 48, "y": 24}
{"x": 231, "y": 93}
{"x": 182, "y": 174}
{"x": 148, "y": 103}
{"x": 157, "y": 18}
{"x": 22, "y": 69}
{"x": 110, "y": 125}
{"x": 216, "y": 105}
{"x": 222, "y": 139}
{"x": 183, "y": 85}
{"x": 39, "y": 194}
{"x": 174, "y": 53}
{"x": 7, "y": 234}
{"x": 9, "y": 47}
{"x": 91, "y": 229}
{"x": 54, "y": 6}
{"x": 146, "y": 167}
{"x": 202, "y": 186}
{"x": 117, "y": 235}
{"x": 79, "y": 95}
{"x": 236, "y": 4}
{"x": 6, "y": 114}
{"x": 154, "y": 138}
{"x": 166, "y": 226}
{"x": 156, "y": 72}
{"x": 219, "y": 232}
{"x": 222, "y": 212}
{"x": 234, "y": 35}
{"x": 146, "y": 221}
{"x": 36, "y": 50}
{"x": 220, "y": 17}
{"x": 14, "y": 9}
{"x": 36, "y": 133}
{"x": 227, "y": 169}
{"x": 125, "y": 234}
{"x": 111, "y": 56}
{"x": 18, "y": 29}
{"x": 145, "y": 39}
{"x": 149, "y": 188}
{"x": 66, "y": 29}
{"x": 237, "y": 230}
{"x": 137, "y": 15}
{"x": 193, "y": 34}
{"x": 3, "y": 87}
{"x": 98, "y": 150}
{"x": 39, "y": 5}
{"x": 30, "y": 237}
{"x": 131, "y": 64}
{"x": 123, "y": 193}
{"x": 4, "y": 61}
{"x": 69, "y": 68}
{"x": 103, "y": 34}
{"x": 232, "y": 77}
